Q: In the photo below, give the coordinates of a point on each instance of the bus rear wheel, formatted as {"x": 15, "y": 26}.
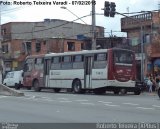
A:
{"x": 36, "y": 86}
{"x": 76, "y": 86}
{"x": 137, "y": 91}
{"x": 57, "y": 90}
{"x": 116, "y": 92}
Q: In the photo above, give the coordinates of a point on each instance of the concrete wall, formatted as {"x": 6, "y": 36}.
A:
{"x": 53, "y": 28}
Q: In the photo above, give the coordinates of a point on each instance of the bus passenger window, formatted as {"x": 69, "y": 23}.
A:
{"x": 78, "y": 61}
{"x": 101, "y": 57}
{"x": 66, "y": 62}
{"x": 100, "y": 60}
{"x": 56, "y": 63}
{"x": 55, "y": 60}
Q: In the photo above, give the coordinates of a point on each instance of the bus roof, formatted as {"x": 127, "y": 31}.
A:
{"x": 82, "y": 52}
{"x": 35, "y": 56}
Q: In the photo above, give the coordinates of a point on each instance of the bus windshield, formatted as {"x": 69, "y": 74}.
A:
{"x": 123, "y": 57}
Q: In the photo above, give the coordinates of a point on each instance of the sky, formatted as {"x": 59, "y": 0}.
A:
{"x": 10, "y": 12}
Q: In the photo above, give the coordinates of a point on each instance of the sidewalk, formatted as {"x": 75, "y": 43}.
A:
{"x": 4, "y": 90}
{"x": 154, "y": 93}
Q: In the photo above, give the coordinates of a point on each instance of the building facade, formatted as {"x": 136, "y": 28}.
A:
{"x": 21, "y": 39}
{"x": 143, "y": 33}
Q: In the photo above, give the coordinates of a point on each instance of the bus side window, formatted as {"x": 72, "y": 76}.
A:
{"x": 56, "y": 63}
{"x": 66, "y": 62}
{"x": 100, "y": 60}
{"x": 78, "y": 61}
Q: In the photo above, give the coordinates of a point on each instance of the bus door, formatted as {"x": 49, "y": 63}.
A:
{"x": 88, "y": 72}
{"x": 47, "y": 64}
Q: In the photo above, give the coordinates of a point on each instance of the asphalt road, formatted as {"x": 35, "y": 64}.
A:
{"x": 47, "y": 107}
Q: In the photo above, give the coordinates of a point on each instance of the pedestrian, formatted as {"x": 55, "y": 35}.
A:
{"x": 150, "y": 84}
{"x": 156, "y": 82}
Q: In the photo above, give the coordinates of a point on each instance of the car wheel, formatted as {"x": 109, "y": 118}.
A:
{"x": 17, "y": 86}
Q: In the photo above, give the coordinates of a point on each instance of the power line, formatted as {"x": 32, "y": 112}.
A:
{"x": 12, "y": 9}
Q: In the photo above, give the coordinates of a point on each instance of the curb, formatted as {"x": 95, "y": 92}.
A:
{"x": 4, "y": 90}
{"x": 150, "y": 94}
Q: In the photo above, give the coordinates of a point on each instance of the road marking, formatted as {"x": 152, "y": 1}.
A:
{"x": 45, "y": 98}
{"x": 48, "y": 100}
{"x": 3, "y": 97}
{"x": 112, "y": 105}
{"x": 157, "y": 106}
{"x": 63, "y": 98}
{"x": 104, "y": 102}
{"x": 132, "y": 104}
{"x": 145, "y": 108}
{"x": 82, "y": 100}
{"x": 29, "y": 97}
{"x": 88, "y": 104}
{"x": 65, "y": 101}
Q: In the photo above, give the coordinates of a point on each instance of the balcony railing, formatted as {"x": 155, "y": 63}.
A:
{"x": 134, "y": 21}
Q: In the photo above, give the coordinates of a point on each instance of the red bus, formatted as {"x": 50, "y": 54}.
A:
{"x": 90, "y": 70}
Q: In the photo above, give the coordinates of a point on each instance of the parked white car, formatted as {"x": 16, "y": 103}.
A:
{"x": 14, "y": 79}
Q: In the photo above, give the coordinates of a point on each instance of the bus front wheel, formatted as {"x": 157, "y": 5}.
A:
{"x": 76, "y": 86}
{"x": 123, "y": 91}
{"x": 36, "y": 86}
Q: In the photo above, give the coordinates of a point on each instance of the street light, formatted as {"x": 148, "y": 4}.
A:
{"x": 63, "y": 7}
{"x": 1, "y": 53}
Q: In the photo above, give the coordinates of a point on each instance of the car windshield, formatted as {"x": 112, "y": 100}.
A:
{"x": 8, "y": 75}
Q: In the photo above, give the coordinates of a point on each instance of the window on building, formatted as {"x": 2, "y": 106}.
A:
{"x": 5, "y": 48}
{"x": 146, "y": 38}
{"x": 71, "y": 46}
{"x": 4, "y": 31}
{"x": 26, "y": 47}
{"x": 82, "y": 46}
{"x": 134, "y": 41}
{"x": 38, "y": 46}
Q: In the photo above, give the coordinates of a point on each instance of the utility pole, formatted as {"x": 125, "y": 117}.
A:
{"x": 1, "y": 53}
{"x": 93, "y": 26}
